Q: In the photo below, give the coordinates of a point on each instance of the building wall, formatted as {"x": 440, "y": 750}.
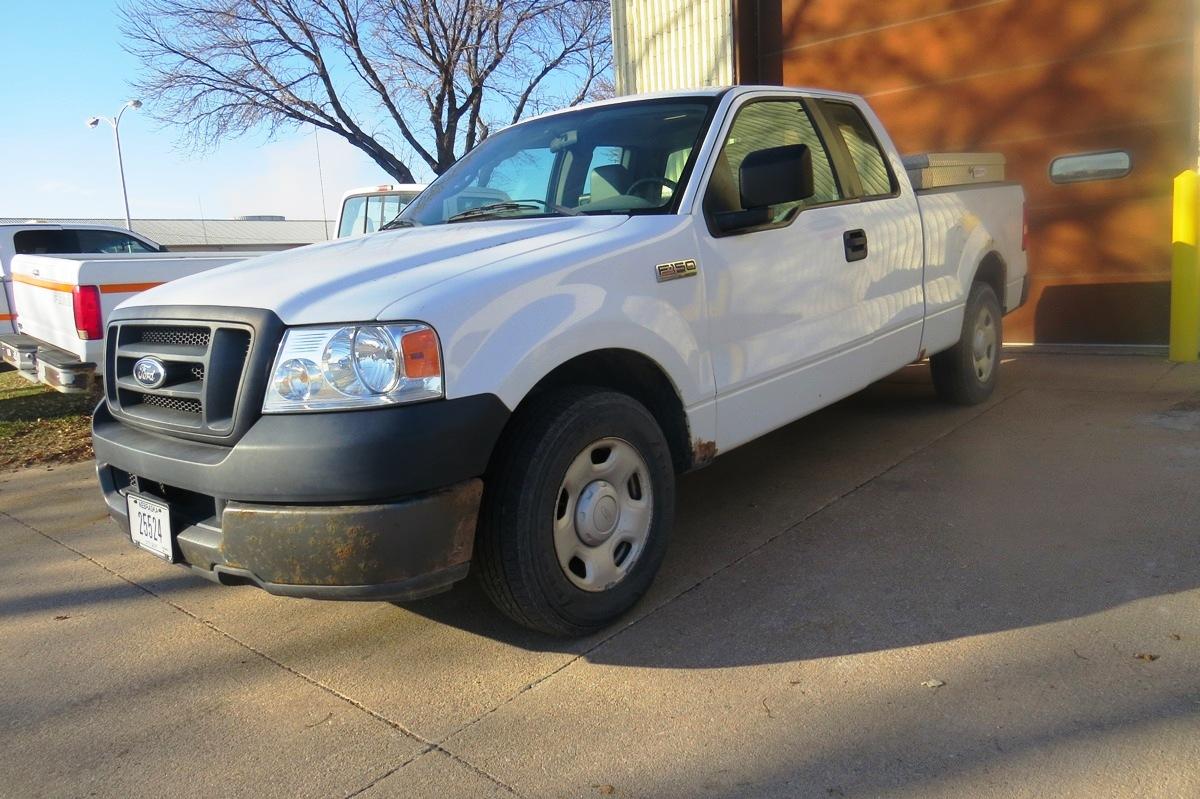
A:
{"x": 670, "y": 44}
{"x": 1034, "y": 79}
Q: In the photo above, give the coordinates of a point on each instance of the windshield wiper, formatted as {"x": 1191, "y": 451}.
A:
{"x": 497, "y": 209}
{"x": 397, "y": 222}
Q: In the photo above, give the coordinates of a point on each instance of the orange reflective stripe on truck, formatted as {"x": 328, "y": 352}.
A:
{"x": 106, "y": 288}
{"x": 126, "y": 288}
{"x": 43, "y": 284}
{"x": 7, "y": 317}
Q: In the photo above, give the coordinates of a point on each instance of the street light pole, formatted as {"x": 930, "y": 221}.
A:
{"x": 116, "y": 126}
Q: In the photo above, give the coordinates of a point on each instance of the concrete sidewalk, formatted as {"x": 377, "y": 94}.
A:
{"x": 1037, "y": 556}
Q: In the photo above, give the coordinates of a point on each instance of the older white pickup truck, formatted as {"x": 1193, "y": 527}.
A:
{"x": 516, "y": 384}
{"x": 62, "y": 301}
{"x": 34, "y": 237}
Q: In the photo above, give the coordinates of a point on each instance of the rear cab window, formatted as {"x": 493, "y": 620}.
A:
{"x": 72, "y": 242}
{"x": 45, "y": 242}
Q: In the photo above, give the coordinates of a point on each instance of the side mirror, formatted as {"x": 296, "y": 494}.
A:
{"x": 776, "y": 175}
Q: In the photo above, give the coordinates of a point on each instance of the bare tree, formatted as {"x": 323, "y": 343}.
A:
{"x": 399, "y": 79}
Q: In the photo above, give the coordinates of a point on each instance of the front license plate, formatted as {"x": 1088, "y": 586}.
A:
{"x": 150, "y": 525}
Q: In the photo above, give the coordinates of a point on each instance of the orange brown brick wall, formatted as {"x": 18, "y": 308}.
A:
{"x": 1033, "y": 79}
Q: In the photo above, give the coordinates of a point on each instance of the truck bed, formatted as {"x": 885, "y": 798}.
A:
{"x": 960, "y": 224}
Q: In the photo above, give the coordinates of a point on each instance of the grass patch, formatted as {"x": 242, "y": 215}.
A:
{"x": 39, "y": 425}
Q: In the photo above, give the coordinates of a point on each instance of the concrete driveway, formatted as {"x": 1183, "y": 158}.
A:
{"x": 1036, "y": 559}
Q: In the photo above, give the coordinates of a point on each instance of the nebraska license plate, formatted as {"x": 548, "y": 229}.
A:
{"x": 150, "y": 525}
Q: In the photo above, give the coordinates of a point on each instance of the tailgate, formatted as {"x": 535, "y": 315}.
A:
{"x": 42, "y": 287}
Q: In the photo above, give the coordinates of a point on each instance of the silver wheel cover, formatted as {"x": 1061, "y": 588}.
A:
{"x": 602, "y": 514}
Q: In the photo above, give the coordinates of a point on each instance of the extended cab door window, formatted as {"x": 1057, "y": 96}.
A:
{"x": 872, "y": 177}
{"x": 760, "y": 125}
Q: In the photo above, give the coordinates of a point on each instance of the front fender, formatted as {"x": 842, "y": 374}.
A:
{"x": 522, "y": 345}
{"x": 511, "y": 324}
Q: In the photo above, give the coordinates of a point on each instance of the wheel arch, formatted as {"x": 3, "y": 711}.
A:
{"x": 637, "y": 376}
{"x": 993, "y": 271}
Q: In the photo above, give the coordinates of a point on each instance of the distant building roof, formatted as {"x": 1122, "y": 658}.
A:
{"x": 215, "y": 232}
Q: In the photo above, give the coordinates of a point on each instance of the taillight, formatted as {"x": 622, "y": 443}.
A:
{"x": 85, "y": 300}
{"x": 1024, "y": 226}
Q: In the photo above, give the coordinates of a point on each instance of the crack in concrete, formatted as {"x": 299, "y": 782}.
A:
{"x": 1164, "y": 376}
{"x": 429, "y": 746}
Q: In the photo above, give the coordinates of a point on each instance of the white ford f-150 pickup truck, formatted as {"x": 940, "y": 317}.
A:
{"x": 515, "y": 385}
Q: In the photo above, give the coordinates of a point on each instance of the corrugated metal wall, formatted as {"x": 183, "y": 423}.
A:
{"x": 672, "y": 44}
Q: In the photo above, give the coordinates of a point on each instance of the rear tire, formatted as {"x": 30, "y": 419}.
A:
{"x": 577, "y": 508}
{"x": 967, "y": 373}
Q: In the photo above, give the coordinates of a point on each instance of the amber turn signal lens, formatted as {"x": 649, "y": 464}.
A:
{"x": 421, "y": 356}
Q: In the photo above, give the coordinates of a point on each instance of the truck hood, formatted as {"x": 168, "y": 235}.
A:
{"x": 355, "y": 279}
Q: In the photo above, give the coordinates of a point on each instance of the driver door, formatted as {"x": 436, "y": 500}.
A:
{"x": 785, "y": 297}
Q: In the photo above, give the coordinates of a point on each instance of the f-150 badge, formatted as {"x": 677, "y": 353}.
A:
{"x": 675, "y": 270}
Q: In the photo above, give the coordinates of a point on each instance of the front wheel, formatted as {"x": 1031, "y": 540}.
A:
{"x": 966, "y": 374}
{"x": 577, "y": 508}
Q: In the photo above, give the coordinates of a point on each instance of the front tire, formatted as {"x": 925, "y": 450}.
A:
{"x": 967, "y": 373}
{"x": 576, "y": 512}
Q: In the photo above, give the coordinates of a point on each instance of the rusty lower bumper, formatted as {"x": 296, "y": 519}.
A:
{"x": 387, "y": 551}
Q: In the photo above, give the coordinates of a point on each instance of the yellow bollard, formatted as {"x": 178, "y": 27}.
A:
{"x": 1185, "y": 271}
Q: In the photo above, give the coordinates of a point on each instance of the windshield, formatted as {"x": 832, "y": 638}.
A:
{"x": 614, "y": 159}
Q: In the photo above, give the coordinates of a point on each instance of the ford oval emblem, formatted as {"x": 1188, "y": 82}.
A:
{"x": 150, "y": 372}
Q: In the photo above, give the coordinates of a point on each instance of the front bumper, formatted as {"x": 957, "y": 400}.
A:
{"x": 400, "y": 550}
{"x": 370, "y": 505}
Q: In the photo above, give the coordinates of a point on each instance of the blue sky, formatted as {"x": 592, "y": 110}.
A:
{"x": 62, "y": 63}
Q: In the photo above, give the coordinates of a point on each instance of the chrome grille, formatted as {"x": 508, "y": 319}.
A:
{"x": 203, "y": 363}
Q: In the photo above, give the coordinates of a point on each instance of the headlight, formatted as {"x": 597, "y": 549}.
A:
{"x": 354, "y": 366}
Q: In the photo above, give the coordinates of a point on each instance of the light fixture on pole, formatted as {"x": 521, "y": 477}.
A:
{"x": 116, "y": 126}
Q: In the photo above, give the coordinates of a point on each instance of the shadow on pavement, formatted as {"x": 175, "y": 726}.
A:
{"x": 1050, "y": 506}
{"x": 81, "y": 600}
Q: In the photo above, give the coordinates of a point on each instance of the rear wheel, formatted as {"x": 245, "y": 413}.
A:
{"x": 966, "y": 374}
{"x": 577, "y": 508}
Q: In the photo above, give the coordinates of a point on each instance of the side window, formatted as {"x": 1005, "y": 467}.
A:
{"x": 758, "y": 126}
{"x": 109, "y": 241}
{"x": 374, "y": 213}
{"x": 354, "y": 216}
{"x": 864, "y": 148}
{"x": 391, "y": 207}
{"x": 46, "y": 242}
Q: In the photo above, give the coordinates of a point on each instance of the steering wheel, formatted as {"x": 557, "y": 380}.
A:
{"x": 670, "y": 184}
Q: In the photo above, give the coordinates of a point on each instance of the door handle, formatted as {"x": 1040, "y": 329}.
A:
{"x": 855, "y": 242}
